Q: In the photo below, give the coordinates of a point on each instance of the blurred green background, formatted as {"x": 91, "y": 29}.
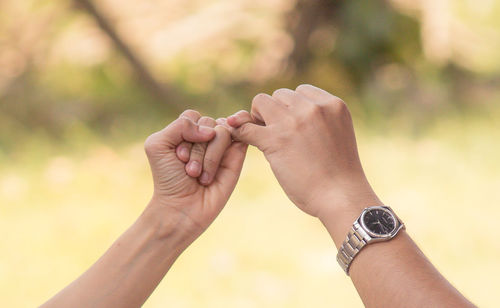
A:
{"x": 82, "y": 85}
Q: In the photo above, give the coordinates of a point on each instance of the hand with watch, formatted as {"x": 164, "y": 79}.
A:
{"x": 308, "y": 138}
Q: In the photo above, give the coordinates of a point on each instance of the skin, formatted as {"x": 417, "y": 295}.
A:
{"x": 180, "y": 210}
{"x": 195, "y": 163}
{"x": 290, "y": 127}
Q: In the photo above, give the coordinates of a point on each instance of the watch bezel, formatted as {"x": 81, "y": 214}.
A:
{"x": 376, "y": 235}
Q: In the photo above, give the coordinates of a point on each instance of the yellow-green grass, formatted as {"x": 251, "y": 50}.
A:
{"x": 58, "y": 217}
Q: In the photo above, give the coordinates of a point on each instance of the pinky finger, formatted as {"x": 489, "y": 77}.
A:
{"x": 239, "y": 118}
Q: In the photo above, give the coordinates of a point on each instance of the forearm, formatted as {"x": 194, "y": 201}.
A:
{"x": 132, "y": 267}
{"x": 388, "y": 274}
{"x": 308, "y": 138}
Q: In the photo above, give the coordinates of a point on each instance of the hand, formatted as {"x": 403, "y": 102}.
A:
{"x": 176, "y": 188}
{"x": 308, "y": 138}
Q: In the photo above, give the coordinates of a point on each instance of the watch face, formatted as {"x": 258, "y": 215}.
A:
{"x": 379, "y": 221}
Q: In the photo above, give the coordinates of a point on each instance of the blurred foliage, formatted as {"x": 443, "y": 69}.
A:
{"x": 368, "y": 52}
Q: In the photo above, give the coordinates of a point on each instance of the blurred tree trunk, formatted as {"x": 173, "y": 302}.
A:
{"x": 302, "y": 21}
{"x": 161, "y": 91}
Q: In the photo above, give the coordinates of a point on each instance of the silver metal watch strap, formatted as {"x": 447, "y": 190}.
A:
{"x": 350, "y": 247}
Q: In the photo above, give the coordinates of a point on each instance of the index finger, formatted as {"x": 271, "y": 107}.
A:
{"x": 265, "y": 108}
{"x": 316, "y": 94}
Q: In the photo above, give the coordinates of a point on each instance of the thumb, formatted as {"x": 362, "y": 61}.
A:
{"x": 185, "y": 129}
{"x": 182, "y": 129}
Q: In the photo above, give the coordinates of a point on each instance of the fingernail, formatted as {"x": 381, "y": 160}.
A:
{"x": 184, "y": 152}
{"x": 205, "y": 178}
{"x": 205, "y": 130}
{"x": 194, "y": 167}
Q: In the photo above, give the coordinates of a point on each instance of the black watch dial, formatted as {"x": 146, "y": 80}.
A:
{"x": 379, "y": 221}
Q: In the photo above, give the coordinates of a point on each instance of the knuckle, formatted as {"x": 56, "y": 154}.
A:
{"x": 305, "y": 86}
{"x": 191, "y": 112}
{"x": 338, "y": 106}
{"x": 281, "y": 92}
{"x": 206, "y": 120}
{"x": 150, "y": 144}
{"x": 257, "y": 98}
{"x": 183, "y": 123}
{"x": 243, "y": 112}
{"x": 315, "y": 111}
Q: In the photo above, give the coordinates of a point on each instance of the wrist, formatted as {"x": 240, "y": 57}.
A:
{"x": 339, "y": 208}
{"x": 168, "y": 225}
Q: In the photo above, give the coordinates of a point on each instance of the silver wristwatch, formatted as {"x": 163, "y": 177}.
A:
{"x": 375, "y": 224}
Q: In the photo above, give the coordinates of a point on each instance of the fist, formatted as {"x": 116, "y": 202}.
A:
{"x": 195, "y": 167}
{"x": 308, "y": 138}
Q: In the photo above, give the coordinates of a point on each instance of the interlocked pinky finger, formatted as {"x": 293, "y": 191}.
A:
{"x": 195, "y": 165}
{"x": 239, "y": 118}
